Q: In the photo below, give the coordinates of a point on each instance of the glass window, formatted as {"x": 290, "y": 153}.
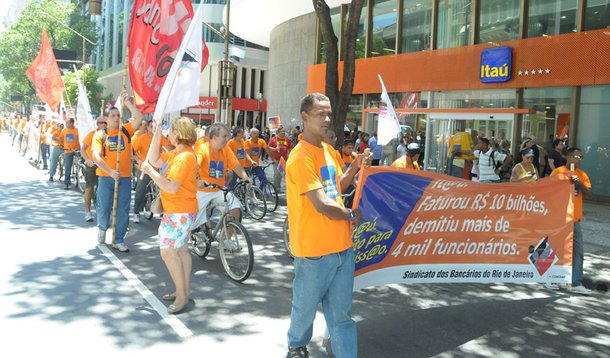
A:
{"x": 496, "y": 98}
{"x": 416, "y": 25}
{"x": 594, "y": 137}
{"x": 499, "y": 20}
{"x": 551, "y": 17}
{"x": 360, "y": 40}
{"x": 384, "y": 27}
{"x": 597, "y": 15}
{"x": 454, "y": 23}
{"x": 551, "y": 118}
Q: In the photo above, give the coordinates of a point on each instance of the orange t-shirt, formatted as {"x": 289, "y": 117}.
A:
{"x": 255, "y": 149}
{"x": 180, "y": 167}
{"x": 43, "y": 132}
{"x": 576, "y": 196}
{"x": 311, "y": 233}
{"x": 111, "y": 146}
{"x": 21, "y": 127}
{"x": 239, "y": 149}
{"x": 141, "y": 144}
{"x": 214, "y": 165}
{"x": 199, "y": 143}
{"x": 56, "y": 132}
{"x": 69, "y": 138}
{"x": 404, "y": 162}
{"x": 88, "y": 141}
{"x": 348, "y": 159}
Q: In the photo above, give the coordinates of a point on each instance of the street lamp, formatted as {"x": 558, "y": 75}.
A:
{"x": 71, "y": 29}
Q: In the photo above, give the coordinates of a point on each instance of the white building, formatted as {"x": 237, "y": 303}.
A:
{"x": 249, "y": 104}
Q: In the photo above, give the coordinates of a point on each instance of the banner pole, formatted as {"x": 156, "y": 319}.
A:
{"x": 119, "y": 141}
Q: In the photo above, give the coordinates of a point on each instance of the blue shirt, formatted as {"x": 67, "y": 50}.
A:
{"x": 375, "y": 149}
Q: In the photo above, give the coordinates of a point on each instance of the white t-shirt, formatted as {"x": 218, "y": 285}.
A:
{"x": 486, "y": 166}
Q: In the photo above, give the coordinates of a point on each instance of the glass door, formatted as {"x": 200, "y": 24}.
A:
{"x": 442, "y": 126}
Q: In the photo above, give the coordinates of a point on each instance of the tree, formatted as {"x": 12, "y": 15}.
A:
{"x": 88, "y": 77}
{"x": 339, "y": 99}
{"x": 20, "y": 43}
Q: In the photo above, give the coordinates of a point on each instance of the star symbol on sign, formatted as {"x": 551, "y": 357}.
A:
{"x": 527, "y": 72}
{"x": 540, "y": 71}
{"x": 520, "y": 73}
{"x": 548, "y": 70}
{"x": 533, "y": 71}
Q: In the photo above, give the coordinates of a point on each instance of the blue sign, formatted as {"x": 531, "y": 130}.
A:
{"x": 496, "y": 64}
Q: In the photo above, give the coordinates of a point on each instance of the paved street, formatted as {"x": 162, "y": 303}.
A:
{"x": 60, "y": 293}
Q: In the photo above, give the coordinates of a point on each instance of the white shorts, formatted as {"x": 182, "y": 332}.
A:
{"x": 213, "y": 198}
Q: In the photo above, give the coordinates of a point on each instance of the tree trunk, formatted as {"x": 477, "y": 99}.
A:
{"x": 339, "y": 100}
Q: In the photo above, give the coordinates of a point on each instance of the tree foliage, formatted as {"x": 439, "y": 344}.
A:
{"x": 88, "y": 77}
{"x": 339, "y": 98}
{"x": 20, "y": 43}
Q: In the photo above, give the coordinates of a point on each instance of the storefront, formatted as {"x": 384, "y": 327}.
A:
{"x": 552, "y": 86}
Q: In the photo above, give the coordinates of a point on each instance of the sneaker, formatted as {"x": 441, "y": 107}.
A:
{"x": 229, "y": 245}
{"x": 89, "y": 217}
{"x": 581, "y": 290}
{"x": 120, "y": 247}
{"x": 552, "y": 286}
{"x": 101, "y": 237}
{"x": 299, "y": 352}
{"x": 67, "y": 187}
{"x": 136, "y": 218}
{"x": 50, "y": 178}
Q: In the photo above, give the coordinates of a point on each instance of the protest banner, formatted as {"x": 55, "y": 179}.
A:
{"x": 423, "y": 227}
{"x": 273, "y": 123}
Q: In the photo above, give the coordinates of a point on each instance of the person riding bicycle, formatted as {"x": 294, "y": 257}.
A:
{"x": 238, "y": 147}
{"x": 409, "y": 160}
{"x": 214, "y": 159}
{"x": 255, "y": 147}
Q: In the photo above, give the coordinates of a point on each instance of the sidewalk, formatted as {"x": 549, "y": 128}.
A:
{"x": 596, "y": 229}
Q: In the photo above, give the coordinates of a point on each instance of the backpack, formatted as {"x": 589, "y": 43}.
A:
{"x": 105, "y": 138}
{"x": 497, "y": 165}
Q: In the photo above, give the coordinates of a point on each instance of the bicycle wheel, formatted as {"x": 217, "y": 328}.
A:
{"x": 199, "y": 243}
{"x": 287, "y": 238}
{"x": 255, "y": 203}
{"x": 82, "y": 185}
{"x": 74, "y": 178}
{"x": 236, "y": 251}
{"x": 149, "y": 197}
{"x": 270, "y": 196}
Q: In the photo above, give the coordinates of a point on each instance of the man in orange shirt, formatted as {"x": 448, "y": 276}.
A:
{"x": 582, "y": 187}
{"x": 53, "y": 136}
{"x": 105, "y": 148}
{"x": 320, "y": 235}
{"x": 44, "y": 145}
{"x": 214, "y": 158}
{"x": 409, "y": 160}
{"x": 69, "y": 138}
{"x": 255, "y": 146}
{"x": 238, "y": 147}
{"x": 141, "y": 144}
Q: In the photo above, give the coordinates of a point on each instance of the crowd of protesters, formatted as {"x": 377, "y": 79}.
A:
{"x": 185, "y": 163}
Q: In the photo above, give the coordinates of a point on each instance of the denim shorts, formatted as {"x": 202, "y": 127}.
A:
{"x": 174, "y": 230}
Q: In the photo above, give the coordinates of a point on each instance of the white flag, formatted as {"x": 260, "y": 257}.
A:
{"x": 84, "y": 118}
{"x": 181, "y": 87}
{"x": 388, "y": 127}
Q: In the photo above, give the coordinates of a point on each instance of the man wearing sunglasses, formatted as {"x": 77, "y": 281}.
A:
{"x": 582, "y": 187}
{"x": 90, "y": 174}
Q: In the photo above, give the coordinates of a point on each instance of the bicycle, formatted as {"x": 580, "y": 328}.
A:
{"x": 252, "y": 199}
{"x": 152, "y": 192}
{"x": 259, "y": 179}
{"x": 81, "y": 170}
{"x": 236, "y": 252}
{"x": 75, "y": 177}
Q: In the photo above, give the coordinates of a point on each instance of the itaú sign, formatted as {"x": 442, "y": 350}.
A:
{"x": 496, "y": 64}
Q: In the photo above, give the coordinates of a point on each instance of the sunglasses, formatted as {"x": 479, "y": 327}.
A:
{"x": 101, "y": 123}
{"x": 580, "y": 157}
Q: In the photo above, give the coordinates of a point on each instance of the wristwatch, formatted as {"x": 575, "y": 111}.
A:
{"x": 352, "y": 215}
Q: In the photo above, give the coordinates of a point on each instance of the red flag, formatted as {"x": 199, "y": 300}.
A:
{"x": 156, "y": 30}
{"x": 45, "y": 75}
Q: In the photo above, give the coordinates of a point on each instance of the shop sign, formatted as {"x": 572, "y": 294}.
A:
{"x": 496, "y": 64}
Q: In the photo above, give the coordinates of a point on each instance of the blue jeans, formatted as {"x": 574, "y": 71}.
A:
{"x": 44, "y": 153}
{"x": 578, "y": 256}
{"x": 329, "y": 279}
{"x": 138, "y": 204}
{"x": 105, "y": 197}
{"x": 68, "y": 160}
{"x": 55, "y": 153}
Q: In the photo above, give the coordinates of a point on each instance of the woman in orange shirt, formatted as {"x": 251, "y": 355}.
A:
{"x": 177, "y": 180}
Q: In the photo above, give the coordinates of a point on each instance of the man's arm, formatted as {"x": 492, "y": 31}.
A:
{"x": 135, "y": 112}
{"x": 328, "y": 207}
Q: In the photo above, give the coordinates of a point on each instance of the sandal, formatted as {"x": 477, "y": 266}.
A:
{"x": 173, "y": 309}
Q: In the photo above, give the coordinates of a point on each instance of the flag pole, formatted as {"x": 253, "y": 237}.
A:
{"x": 119, "y": 141}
